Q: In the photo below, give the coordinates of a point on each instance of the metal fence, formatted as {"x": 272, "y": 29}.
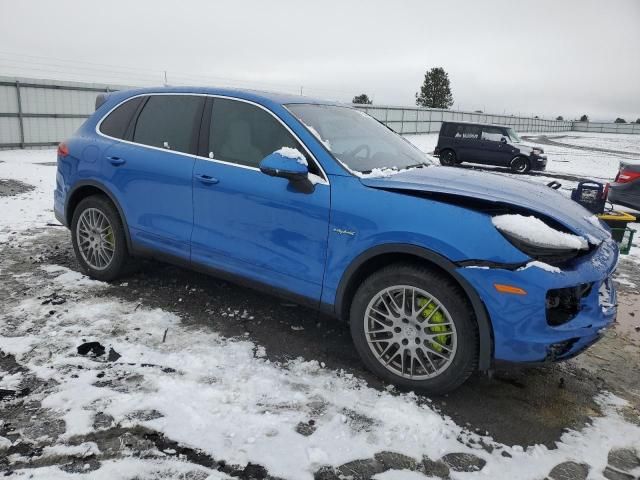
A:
{"x": 633, "y": 128}
{"x": 40, "y": 113}
{"x": 408, "y": 120}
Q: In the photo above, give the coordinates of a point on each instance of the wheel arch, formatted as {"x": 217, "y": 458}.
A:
{"x": 86, "y": 189}
{"x": 382, "y": 255}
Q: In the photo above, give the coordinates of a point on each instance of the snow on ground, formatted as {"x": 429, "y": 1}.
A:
{"x": 34, "y": 207}
{"x": 222, "y": 395}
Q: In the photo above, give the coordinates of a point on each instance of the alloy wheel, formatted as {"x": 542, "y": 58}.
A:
{"x": 95, "y": 238}
{"x": 410, "y": 332}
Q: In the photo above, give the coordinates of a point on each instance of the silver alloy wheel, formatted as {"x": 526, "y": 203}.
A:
{"x": 410, "y": 332}
{"x": 95, "y": 238}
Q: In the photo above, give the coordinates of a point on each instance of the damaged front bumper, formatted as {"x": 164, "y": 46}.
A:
{"x": 526, "y": 327}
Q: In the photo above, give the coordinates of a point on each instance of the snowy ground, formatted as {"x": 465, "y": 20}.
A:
{"x": 201, "y": 379}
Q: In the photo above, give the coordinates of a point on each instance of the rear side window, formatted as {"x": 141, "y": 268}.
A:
{"x": 244, "y": 134}
{"x": 471, "y": 132}
{"x": 169, "y": 121}
{"x": 117, "y": 122}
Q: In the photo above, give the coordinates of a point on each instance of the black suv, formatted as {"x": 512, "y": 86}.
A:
{"x": 488, "y": 144}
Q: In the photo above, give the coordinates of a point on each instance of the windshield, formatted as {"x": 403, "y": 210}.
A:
{"x": 356, "y": 139}
{"x": 513, "y": 136}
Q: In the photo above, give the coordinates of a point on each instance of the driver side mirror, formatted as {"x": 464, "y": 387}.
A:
{"x": 288, "y": 163}
{"x": 503, "y": 140}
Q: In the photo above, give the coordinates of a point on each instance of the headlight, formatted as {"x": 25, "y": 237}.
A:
{"x": 534, "y": 237}
{"x": 538, "y": 151}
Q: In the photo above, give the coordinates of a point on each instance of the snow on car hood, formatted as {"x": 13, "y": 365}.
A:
{"x": 499, "y": 189}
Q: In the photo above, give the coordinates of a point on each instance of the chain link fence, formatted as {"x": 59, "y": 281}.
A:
{"x": 41, "y": 113}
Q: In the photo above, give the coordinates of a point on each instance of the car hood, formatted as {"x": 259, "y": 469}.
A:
{"x": 523, "y": 148}
{"x": 499, "y": 189}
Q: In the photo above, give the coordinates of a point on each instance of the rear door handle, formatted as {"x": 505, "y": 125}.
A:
{"x": 209, "y": 180}
{"x": 116, "y": 160}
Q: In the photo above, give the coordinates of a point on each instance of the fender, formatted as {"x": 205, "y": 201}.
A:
{"x": 485, "y": 329}
{"x": 107, "y": 192}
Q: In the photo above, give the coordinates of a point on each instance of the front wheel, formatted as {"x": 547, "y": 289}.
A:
{"x": 413, "y": 327}
{"x": 98, "y": 238}
{"x": 520, "y": 165}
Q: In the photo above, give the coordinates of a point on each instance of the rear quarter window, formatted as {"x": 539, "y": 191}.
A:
{"x": 448, "y": 130}
{"x": 117, "y": 122}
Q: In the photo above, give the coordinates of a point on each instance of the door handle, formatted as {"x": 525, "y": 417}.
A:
{"x": 116, "y": 160}
{"x": 209, "y": 180}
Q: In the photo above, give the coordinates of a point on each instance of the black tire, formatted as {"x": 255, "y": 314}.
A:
{"x": 449, "y": 294}
{"x": 448, "y": 158}
{"x": 520, "y": 165}
{"x": 118, "y": 264}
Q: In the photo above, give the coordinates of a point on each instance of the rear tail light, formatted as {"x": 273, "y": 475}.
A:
{"x": 625, "y": 176}
{"x": 63, "y": 150}
{"x": 605, "y": 194}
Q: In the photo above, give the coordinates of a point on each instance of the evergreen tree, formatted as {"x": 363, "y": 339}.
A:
{"x": 362, "y": 98}
{"x": 619, "y": 120}
{"x": 584, "y": 118}
{"x": 435, "y": 92}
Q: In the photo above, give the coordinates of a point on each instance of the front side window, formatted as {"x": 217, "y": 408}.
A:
{"x": 356, "y": 139}
{"x": 169, "y": 121}
{"x": 493, "y": 134}
{"x": 244, "y": 134}
{"x": 117, "y": 122}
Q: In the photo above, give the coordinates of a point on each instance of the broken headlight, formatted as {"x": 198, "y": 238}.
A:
{"x": 538, "y": 240}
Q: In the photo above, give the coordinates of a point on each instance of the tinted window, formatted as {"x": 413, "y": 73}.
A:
{"x": 471, "y": 132}
{"x": 448, "y": 130}
{"x": 169, "y": 121}
{"x": 493, "y": 134}
{"x": 244, "y": 134}
{"x": 117, "y": 122}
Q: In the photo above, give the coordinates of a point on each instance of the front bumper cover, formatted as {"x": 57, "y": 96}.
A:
{"x": 520, "y": 327}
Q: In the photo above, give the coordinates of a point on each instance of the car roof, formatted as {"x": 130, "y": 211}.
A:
{"x": 254, "y": 95}
{"x": 477, "y": 123}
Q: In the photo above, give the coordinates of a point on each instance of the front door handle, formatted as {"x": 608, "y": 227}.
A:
{"x": 209, "y": 180}
{"x": 116, "y": 160}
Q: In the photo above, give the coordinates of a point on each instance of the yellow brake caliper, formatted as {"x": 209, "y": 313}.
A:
{"x": 438, "y": 317}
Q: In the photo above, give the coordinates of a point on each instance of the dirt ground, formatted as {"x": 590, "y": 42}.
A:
{"x": 517, "y": 406}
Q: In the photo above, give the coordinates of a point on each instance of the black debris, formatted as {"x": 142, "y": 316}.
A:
{"x": 113, "y": 355}
{"x": 95, "y": 348}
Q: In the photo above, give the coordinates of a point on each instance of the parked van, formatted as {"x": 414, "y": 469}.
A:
{"x": 487, "y": 144}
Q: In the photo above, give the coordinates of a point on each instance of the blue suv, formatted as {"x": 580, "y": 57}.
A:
{"x": 439, "y": 272}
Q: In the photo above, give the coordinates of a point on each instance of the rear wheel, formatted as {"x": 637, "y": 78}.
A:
{"x": 98, "y": 238}
{"x": 448, "y": 158}
{"x": 413, "y": 327}
{"x": 520, "y": 165}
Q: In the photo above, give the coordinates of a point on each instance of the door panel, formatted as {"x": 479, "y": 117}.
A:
{"x": 468, "y": 143}
{"x": 251, "y": 224}
{"x": 155, "y": 191}
{"x": 260, "y": 227}
{"x": 494, "y": 152}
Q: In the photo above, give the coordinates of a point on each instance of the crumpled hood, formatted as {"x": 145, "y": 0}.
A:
{"x": 495, "y": 188}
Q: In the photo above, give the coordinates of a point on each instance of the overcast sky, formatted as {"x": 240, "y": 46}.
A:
{"x": 530, "y": 57}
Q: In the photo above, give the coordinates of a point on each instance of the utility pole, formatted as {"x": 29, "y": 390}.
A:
{"x": 300, "y": 90}
{"x": 166, "y": 83}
